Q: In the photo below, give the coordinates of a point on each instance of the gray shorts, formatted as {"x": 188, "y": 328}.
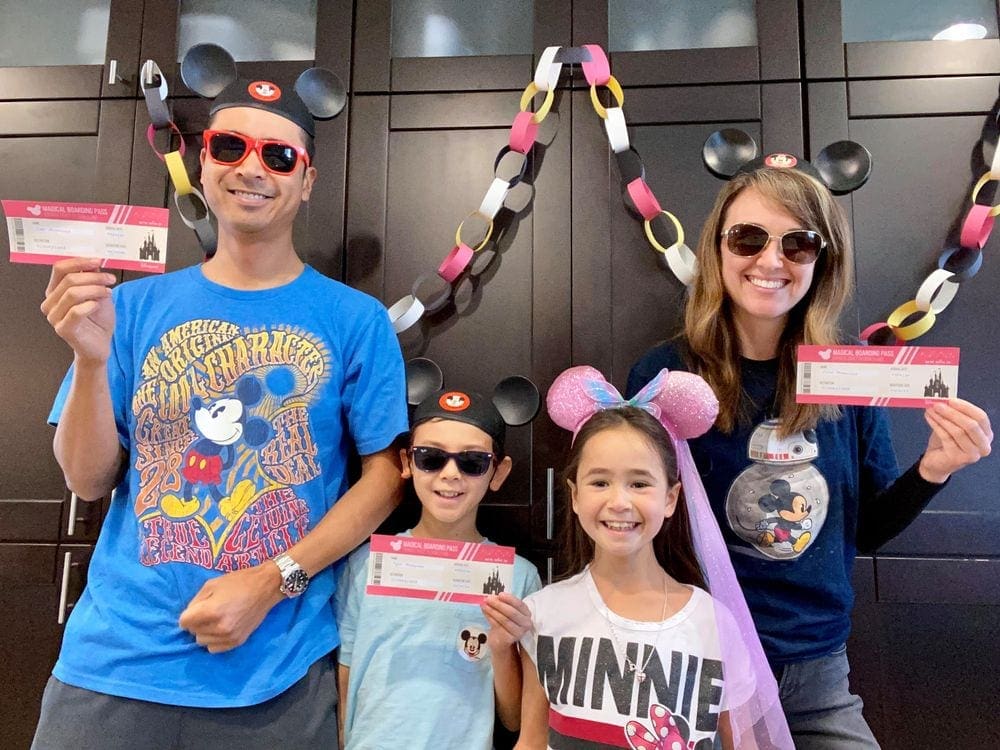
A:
{"x": 304, "y": 716}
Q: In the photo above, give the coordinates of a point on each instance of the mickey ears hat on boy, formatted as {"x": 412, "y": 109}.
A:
{"x": 515, "y": 401}
{"x": 210, "y": 71}
{"x": 843, "y": 166}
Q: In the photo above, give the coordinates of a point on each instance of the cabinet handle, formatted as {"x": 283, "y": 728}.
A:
{"x": 64, "y": 589}
{"x": 71, "y": 524}
{"x": 548, "y": 572}
{"x": 550, "y": 482}
{"x": 113, "y": 76}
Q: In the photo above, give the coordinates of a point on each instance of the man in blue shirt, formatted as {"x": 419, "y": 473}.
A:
{"x": 220, "y": 403}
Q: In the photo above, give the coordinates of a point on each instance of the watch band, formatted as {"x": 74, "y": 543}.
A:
{"x": 293, "y": 578}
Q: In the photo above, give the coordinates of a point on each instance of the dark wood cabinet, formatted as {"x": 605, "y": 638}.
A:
{"x": 775, "y": 55}
{"x": 572, "y": 280}
{"x": 376, "y": 69}
{"x": 926, "y": 135}
{"x": 625, "y": 298}
{"x": 117, "y": 77}
{"x": 45, "y": 547}
{"x": 415, "y": 174}
{"x": 931, "y": 592}
{"x": 827, "y": 55}
{"x": 332, "y": 49}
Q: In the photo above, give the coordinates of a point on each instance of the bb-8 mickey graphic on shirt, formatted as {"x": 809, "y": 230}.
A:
{"x": 779, "y": 503}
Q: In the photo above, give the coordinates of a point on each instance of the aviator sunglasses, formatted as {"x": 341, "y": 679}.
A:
{"x": 800, "y": 246}
{"x": 472, "y": 463}
{"x": 231, "y": 149}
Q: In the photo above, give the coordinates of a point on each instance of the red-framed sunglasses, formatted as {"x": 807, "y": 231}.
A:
{"x": 231, "y": 149}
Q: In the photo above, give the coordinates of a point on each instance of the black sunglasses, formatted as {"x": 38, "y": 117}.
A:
{"x": 231, "y": 149}
{"x": 800, "y": 246}
{"x": 472, "y": 463}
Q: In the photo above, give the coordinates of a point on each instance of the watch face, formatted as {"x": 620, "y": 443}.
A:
{"x": 295, "y": 583}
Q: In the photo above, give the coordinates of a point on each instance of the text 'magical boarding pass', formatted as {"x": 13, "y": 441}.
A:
{"x": 439, "y": 569}
{"x": 913, "y": 376}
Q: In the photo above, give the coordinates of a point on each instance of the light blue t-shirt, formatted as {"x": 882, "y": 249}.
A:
{"x": 421, "y": 674}
{"x": 237, "y": 411}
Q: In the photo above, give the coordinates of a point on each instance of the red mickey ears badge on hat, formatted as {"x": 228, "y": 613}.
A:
{"x": 264, "y": 91}
{"x": 454, "y": 401}
{"x": 780, "y": 161}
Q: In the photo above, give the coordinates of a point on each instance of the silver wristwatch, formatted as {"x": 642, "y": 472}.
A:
{"x": 293, "y": 578}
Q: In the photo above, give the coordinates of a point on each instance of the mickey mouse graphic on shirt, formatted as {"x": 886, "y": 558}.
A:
{"x": 221, "y": 425}
{"x": 224, "y": 439}
{"x": 790, "y": 520}
{"x": 779, "y": 503}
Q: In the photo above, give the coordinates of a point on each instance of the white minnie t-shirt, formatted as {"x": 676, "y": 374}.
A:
{"x": 592, "y": 693}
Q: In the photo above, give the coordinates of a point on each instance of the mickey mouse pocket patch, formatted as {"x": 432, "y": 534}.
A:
{"x": 472, "y": 643}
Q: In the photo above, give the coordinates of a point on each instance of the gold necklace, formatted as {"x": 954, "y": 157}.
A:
{"x": 637, "y": 671}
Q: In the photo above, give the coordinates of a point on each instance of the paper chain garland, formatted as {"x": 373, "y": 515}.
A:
{"x": 936, "y": 292}
{"x": 154, "y": 89}
{"x": 405, "y": 312}
{"x": 954, "y": 265}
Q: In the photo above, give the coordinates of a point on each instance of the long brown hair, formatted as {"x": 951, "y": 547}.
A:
{"x": 709, "y": 328}
{"x": 672, "y": 546}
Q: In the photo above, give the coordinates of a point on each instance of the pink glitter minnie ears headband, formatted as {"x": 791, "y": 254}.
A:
{"x": 682, "y": 402}
{"x": 686, "y": 406}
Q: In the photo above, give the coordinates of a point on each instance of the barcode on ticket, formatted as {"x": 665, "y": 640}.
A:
{"x": 19, "y": 243}
{"x": 376, "y": 576}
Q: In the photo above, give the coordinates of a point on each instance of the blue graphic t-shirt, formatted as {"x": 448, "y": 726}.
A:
{"x": 237, "y": 411}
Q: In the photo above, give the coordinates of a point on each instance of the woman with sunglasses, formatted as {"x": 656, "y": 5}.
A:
{"x": 797, "y": 488}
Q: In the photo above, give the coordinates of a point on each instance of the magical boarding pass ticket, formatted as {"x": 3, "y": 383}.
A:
{"x": 438, "y": 569}
{"x": 876, "y": 375}
{"x": 133, "y": 238}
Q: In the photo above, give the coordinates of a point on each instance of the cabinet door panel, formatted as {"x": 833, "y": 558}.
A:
{"x": 935, "y": 609}
{"x": 70, "y": 50}
{"x": 28, "y": 651}
{"x": 940, "y": 655}
{"x": 30, "y": 520}
{"x": 413, "y": 179}
{"x": 327, "y": 45}
{"x": 625, "y": 299}
{"x": 82, "y": 160}
{"x": 773, "y": 55}
{"x": 379, "y": 69}
{"x": 912, "y": 208}
{"x": 827, "y": 55}
{"x": 31, "y": 581}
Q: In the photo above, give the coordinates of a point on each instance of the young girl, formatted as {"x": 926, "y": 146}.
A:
{"x": 631, "y": 651}
{"x": 798, "y": 488}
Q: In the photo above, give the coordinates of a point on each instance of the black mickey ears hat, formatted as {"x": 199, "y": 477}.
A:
{"x": 209, "y": 70}
{"x": 515, "y": 401}
{"x": 843, "y": 166}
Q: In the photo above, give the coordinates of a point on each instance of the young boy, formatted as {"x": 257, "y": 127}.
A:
{"x": 421, "y": 673}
